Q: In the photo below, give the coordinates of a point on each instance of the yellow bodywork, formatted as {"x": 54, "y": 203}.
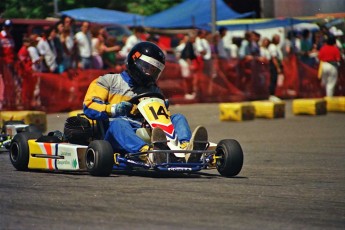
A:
{"x": 56, "y": 156}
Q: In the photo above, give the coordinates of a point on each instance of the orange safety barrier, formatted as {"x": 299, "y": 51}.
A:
{"x": 233, "y": 80}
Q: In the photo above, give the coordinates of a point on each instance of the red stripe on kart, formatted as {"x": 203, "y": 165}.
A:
{"x": 47, "y": 147}
{"x": 168, "y": 129}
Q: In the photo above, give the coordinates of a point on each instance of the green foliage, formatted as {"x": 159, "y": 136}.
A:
{"x": 27, "y": 9}
{"x": 148, "y": 7}
{"x": 45, "y": 8}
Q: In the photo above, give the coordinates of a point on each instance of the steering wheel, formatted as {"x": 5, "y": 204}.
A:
{"x": 136, "y": 99}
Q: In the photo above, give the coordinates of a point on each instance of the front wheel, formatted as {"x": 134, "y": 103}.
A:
{"x": 19, "y": 149}
{"x": 229, "y": 157}
{"x": 99, "y": 158}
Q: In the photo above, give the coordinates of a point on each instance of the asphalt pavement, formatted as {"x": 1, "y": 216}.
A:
{"x": 292, "y": 178}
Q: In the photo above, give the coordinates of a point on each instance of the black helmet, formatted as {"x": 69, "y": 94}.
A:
{"x": 145, "y": 63}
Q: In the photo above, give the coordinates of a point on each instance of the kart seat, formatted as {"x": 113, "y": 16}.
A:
{"x": 101, "y": 127}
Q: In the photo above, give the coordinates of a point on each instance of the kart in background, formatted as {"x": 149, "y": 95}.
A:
{"x": 11, "y": 128}
{"x": 86, "y": 151}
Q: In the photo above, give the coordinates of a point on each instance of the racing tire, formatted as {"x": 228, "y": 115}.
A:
{"x": 99, "y": 158}
{"x": 19, "y": 149}
{"x": 229, "y": 157}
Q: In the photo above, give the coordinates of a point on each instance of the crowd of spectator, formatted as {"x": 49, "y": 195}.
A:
{"x": 62, "y": 47}
{"x": 197, "y": 50}
{"x": 67, "y": 46}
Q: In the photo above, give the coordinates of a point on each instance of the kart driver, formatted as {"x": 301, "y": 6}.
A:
{"x": 108, "y": 97}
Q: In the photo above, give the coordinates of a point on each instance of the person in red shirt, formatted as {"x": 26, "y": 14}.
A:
{"x": 7, "y": 56}
{"x": 7, "y": 46}
{"x": 24, "y": 56}
{"x": 329, "y": 56}
{"x": 24, "y": 69}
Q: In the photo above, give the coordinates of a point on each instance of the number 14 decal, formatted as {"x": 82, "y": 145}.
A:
{"x": 160, "y": 111}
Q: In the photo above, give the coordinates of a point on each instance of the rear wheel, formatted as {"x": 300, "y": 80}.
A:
{"x": 229, "y": 157}
{"x": 19, "y": 149}
{"x": 99, "y": 158}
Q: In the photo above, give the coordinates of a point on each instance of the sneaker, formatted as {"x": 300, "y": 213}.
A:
{"x": 159, "y": 142}
{"x": 198, "y": 141}
{"x": 190, "y": 96}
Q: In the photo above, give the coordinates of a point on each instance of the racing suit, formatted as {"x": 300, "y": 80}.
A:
{"x": 111, "y": 89}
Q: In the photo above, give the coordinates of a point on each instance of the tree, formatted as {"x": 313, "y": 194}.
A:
{"x": 148, "y": 7}
{"x": 26, "y": 8}
{"x": 45, "y": 8}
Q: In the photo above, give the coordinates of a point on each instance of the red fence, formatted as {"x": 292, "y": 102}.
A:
{"x": 234, "y": 81}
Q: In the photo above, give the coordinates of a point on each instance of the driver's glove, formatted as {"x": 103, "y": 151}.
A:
{"x": 121, "y": 109}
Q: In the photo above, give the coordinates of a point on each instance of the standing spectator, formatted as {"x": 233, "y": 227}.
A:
{"x": 247, "y": 62}
{"x": 83, "y": 40}
{"x": 68, "y": 23}
{"x": 198, "y": 63}
{"x": 265, "y": 55}
{"x": 37, "y": 62}
{"x": 182, "y": 44}
{"x": 25, "y": 71}
{"x": 7, "y": 56}
{"x": 244, "y": 48}
{"x": 204, "y": 48}
{"x": 222, "y": 51}
{"x": 188, "y": 63}
{"x": 292, "y": 44}
{"x": 110, "y": 58}
{"x": 99, "y": 47}
{"x": 7, "y": 46}
{"x": 44, "y": 48}
{"x": 338, "y": 35}
{"x": 276, "y": 67}
{"x": 24, "y": 56}
{"x": 306, "y": 48}
{"x": 132, "y": 40}
{"x": 96, "y": 46}
{"x": 329, "y": 57}
{"x": 67, "y": 43}
{"x": 254, "y": 47}
{"x": 235, "y": 46}
{"x": 36, "y": 59}
{"x": 56, "y": 46}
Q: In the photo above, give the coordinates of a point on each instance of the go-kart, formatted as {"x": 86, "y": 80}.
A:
{"x": 10, "y": 129}
{"x": 31, "y": 150}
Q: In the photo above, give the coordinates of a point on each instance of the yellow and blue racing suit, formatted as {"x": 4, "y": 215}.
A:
{"x": 111, "y": 89}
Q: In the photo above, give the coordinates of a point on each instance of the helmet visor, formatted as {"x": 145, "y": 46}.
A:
{"x": 149, "y": 66}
